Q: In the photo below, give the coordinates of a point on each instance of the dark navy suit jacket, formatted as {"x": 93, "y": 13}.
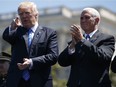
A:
{"x": 113, "y": 65}
{"x": 90, "y": 62}
{"x": 43, "y": 52}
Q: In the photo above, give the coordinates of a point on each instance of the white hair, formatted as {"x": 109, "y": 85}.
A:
{"x": 93, "y": 12}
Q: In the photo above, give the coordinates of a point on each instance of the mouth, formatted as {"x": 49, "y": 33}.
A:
{"x": 84, "y": 24}
{"x": 25, "y": 21}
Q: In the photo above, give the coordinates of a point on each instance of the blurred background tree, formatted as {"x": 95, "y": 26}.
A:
{"x": 57, "y": 82}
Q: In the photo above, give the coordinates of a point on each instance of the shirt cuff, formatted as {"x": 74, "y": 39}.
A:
{"x": 71, "y": 50}
{"x": 31, "y": 65}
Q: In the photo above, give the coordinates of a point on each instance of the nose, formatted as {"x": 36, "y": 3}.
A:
{"x": 24, "y": 15}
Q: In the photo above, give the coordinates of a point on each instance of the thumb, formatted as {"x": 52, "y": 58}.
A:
{"x": 24, "y": 59}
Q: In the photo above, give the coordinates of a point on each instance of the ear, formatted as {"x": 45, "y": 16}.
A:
{"x": 36, "y": 15}
{"x": 97, "y": 20}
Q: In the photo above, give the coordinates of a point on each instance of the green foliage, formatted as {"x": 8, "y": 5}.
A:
{"x": 62, "y": 82}
{"x": 57, "y": 82}
{"x": 113, "y": 78}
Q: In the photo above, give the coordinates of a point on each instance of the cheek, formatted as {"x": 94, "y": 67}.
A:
{"x": 93, "y": 22}
{"x": 32, "y": 18}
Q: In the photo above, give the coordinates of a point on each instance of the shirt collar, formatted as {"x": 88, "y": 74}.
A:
{"x": 34, "y": 27}
{"x": 91, "y": 34}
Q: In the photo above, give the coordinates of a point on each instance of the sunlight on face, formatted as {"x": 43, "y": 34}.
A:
{"x": 28, "y": 14}
{"x": 87, "y": 21}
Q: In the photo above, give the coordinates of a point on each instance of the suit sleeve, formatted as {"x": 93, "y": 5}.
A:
{"x": 99, "y": 53}
{"x": 65, "y": 59}
{"x": 9, "y": 37}
{"x": 49, "y": 57}
{"x": 113, "y": 65}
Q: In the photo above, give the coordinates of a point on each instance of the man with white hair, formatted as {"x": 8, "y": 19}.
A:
{"x": 88, "y": 54}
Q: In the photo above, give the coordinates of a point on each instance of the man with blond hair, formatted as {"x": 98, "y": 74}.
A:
{"x": 34, "y": 49}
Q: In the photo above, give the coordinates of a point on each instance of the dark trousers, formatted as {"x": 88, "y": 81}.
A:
{"x": 23, "y": 83}
{"x": 49, "y": 83}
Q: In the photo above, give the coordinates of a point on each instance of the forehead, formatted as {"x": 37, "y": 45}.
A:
{"x": 86, "y": 13}
{"x": 24, "y": 9}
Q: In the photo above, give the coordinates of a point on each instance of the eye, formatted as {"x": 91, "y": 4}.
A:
{"x": 26, "y": 13}
{"x": 81, "y": 18}
{"x": 20, "y": 14}
{"x": 85, "y": 17}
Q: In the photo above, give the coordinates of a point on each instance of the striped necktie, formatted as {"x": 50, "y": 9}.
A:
{"x": 26, "y": 74}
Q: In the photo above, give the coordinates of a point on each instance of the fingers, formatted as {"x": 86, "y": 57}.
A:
{"x": 76, "y": 28}
{"x": 20, "y": 66}
{"x": 76, "y": 32}
{"x": 15, "y": 23}
{"x": 23, "y": 65}
{"x": 24, "y": 59}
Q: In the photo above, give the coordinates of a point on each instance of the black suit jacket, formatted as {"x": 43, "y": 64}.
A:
{"x": 43, "y": 52}
{"x": 90, "y": 62}
{"x": 113, "y": 65}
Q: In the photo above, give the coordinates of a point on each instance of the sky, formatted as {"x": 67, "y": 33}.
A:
{"x": 7, "y": 6}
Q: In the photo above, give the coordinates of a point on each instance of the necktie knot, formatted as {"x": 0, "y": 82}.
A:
{"x": 87, "y": 37}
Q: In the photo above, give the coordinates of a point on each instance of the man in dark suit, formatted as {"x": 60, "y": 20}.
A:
{"x": 88, "y": 57}
{"x": 34, "y": 49}
{"x": 113, "y": 65}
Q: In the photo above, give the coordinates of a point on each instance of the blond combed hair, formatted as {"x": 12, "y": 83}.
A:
{"x": 29, "y": 4}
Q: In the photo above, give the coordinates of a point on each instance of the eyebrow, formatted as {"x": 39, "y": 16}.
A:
{"x": 86, "y": 17}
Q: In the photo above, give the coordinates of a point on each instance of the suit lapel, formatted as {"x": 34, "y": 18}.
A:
{"x": 95, "y": 37}
{"x": 25, "y": 36}
{"x": 37, "y": 36}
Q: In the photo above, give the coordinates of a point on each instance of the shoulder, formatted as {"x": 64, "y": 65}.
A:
{"x": 106, "y": 36}
{"x": 49, "y": 30}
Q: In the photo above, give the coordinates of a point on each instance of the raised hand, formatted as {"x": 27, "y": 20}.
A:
{"x": 76, "y": 33}
{"x": 15, "y": 23}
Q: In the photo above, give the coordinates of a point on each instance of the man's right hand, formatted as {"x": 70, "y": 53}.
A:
{"x": 15, "y": 23}
{"x": 76, "y": 33}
